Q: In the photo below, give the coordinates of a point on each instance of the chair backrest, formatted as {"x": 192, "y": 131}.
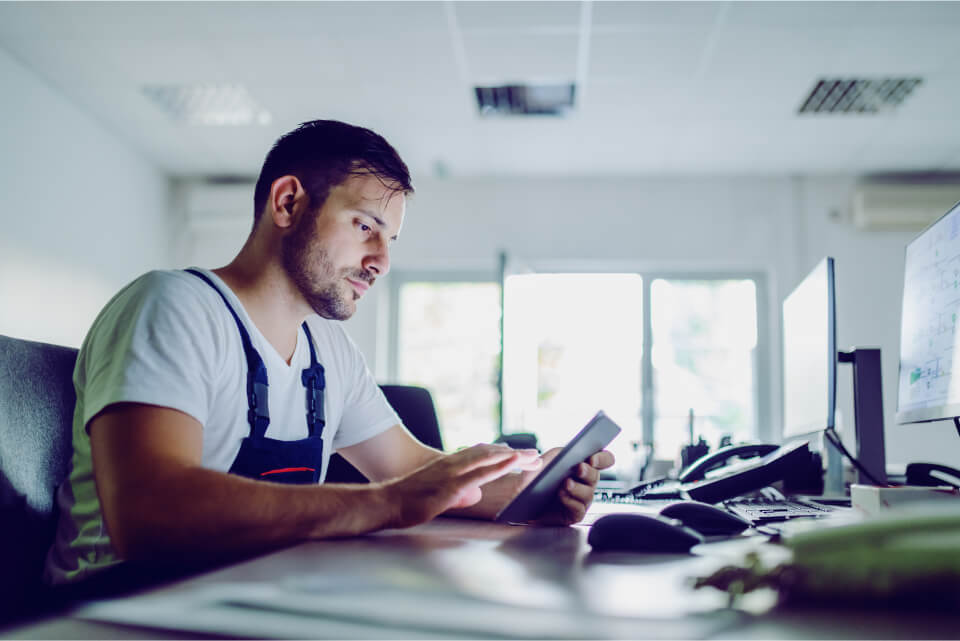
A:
{"x": 415, "y": 407}
{"x": 416, "y": 410}
{"x": 36, "y": 418}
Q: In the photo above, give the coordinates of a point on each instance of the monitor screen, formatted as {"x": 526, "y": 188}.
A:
{"x": 810, "y": 353}
{"x": 927, "y": 390}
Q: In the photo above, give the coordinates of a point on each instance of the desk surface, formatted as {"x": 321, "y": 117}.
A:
{"x": 457, "y": 578}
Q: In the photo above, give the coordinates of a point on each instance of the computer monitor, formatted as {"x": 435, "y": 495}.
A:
{"x": 810, "y": 353}
{"x": 927, "y": 389}
{"x": 810, "y": 366}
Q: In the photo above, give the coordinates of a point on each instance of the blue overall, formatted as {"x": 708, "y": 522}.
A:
{"x": 268, "y": 459}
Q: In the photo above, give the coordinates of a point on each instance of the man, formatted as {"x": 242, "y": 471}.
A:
{"x": 208, "y": 402}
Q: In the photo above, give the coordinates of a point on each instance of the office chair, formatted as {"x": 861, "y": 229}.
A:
{"x": 415, "y": 407}
{"x": 36, "y": 422}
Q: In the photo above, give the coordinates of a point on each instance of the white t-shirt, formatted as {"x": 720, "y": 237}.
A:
{"x": 167, "y": 339}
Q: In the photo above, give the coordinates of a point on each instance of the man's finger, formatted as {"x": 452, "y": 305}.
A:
{"x": 478, "y": 456}
{"x": 531, "y": 465}
{"x": 573, "y": 510}
{"x": 485, "y": 474}
{"x": 587, "y": 474}
{"x": 579, "y": 491}
{"x": 602, "y": 460}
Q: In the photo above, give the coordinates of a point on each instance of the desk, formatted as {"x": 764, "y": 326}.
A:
{"x": 455, "y": 578}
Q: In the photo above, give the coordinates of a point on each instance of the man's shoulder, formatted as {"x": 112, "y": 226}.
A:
{"x": 159, "y": 296}
{"x": 167, "y": 284}
{"x": 170, "y": 280}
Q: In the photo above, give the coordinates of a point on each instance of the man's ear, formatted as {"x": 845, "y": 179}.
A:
{"x": 287, "y": 200}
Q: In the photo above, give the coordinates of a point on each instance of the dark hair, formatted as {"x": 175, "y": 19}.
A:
{"x": 322, "y": 154}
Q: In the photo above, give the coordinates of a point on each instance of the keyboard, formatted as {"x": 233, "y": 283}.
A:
{"x": 767, "y": 505}
{"x": 763, "y": 509}
{"x": 655, "y": 489}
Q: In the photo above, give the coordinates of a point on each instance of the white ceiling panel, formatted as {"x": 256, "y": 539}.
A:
{"x": 706, "y": 87}
{"x": 898, "y": 50}
{"x": 399, "y": 60}
{"x": 313, "y": 60}
{"x": 765, "y": 94}
{"x": 158, "y": 20}
{"x": 741, "y": 51}
{"x": 160, "y": 61}
{"x": 653, "y": 16}
{"x": 342, "y": 19}
{"x": 642, "y": 54}
{"x": 805, "y": 14}
{"x": 611, "y": 101}
{"x": 520, "y": 16}
{"x": 775, "y": 146}
{"x": 56, "y": 60}
{"x": 936, "y": 97}
{"x": 507, "y": 58}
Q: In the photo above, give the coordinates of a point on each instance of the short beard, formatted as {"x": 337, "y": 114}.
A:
{"x": 310, "y": 270}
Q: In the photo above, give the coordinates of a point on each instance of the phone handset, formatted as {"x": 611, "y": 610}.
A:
{"x": 932, "y": 474}
{"x": 699, "y": 469}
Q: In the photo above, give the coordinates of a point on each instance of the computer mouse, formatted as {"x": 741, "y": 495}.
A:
{"x": 707, "y": 519}
{"x": 641, "y": 533}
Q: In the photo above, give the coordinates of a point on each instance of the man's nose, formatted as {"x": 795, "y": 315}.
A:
{"x": 378, "y": 261}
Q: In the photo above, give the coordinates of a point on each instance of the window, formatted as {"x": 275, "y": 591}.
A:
{"x": 704, "y": 336}
{"x": 572, "y": 345}
{"x": 448, "y": 340}
{"x": 647, "y": 348}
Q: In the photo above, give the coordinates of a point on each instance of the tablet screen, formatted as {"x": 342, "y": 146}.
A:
{"x": 534, "y": 498}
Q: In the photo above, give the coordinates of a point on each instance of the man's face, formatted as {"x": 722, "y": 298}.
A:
{"x": 333, "y": 256}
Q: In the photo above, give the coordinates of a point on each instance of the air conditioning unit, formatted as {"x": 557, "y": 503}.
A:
{"x": 902, "y": 207}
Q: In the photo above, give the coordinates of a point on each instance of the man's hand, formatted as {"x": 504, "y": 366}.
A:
{"x": 453, "y": 481}
{"x": 575, "y": 495}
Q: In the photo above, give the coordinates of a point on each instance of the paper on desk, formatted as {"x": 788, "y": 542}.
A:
{"x": 270, "y": 611}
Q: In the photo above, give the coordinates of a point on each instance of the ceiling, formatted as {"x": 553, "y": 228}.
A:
{"x": 663, "y": 87}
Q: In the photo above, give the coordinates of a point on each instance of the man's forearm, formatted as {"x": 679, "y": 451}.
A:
{"x": 204, "y": 514}
{"x": 160, "y": 503}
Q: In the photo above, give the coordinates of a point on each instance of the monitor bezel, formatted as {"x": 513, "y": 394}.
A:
{"x": 926, "y": 414}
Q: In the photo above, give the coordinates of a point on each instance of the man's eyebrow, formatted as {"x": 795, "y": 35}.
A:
{"x": 376, "y": 218}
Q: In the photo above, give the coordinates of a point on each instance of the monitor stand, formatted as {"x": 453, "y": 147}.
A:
{"x": 868, "y": 411}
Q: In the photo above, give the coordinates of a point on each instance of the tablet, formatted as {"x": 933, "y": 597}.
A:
{"x": 534, "y": 498}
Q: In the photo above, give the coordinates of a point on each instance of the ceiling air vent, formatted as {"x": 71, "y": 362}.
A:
{"x": 525, "y": 100}
{"x": 227, "y": 104}
{"x": 857, "y": 95}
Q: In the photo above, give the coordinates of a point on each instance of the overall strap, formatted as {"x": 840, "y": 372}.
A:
{"x": 258, "y": 413}
{"x": 315, "y": 382}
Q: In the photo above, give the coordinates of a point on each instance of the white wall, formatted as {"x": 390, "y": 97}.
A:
{"x": 778, "y": 225}
{"x": 781, "y": 226}
{"x": 82, "y": 212}
{"x": 692, "y": 224}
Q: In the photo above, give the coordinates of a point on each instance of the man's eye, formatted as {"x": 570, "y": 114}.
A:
{"x": 365, "y": 228}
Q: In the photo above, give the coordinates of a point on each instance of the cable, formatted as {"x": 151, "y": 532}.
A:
{"x": 956, "y": 424}
{"x": 834, "y": 439}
